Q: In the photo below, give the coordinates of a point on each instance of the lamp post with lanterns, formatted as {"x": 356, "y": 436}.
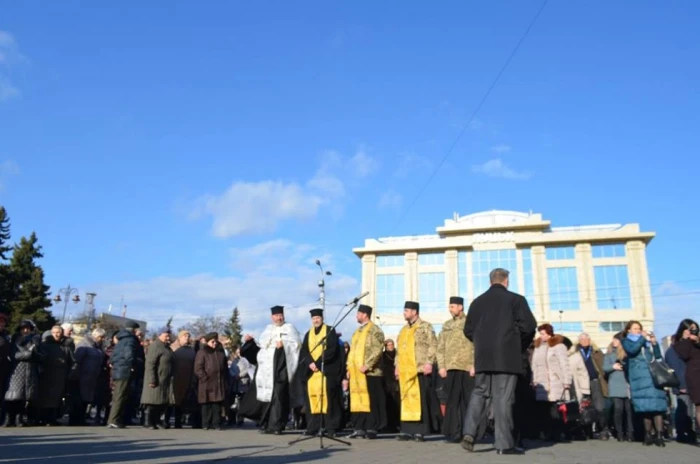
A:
{"x": 66, "y": 292}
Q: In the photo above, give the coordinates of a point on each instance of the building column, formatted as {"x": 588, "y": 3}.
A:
{"x": 520, "y": 270}
{"x": 587, "y": 297}
{"x": 369, "y": 278}
{"x": 451, "y": 274}
{"x": 539, "y": 278}
{"x": 411, "y": 276}
{"x": 640, "y": 289}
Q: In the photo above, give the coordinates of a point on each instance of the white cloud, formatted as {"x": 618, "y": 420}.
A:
{"x": 7, "y": 89}
{"x": 390, "y": 199}
{"x": 410, "y": 162}
{"x": 9, "y": 55}
{"x": 260, "y": 207}
{"x": 363, "y": 165}
{"x": 8, "y": 168}
{"x": 674, "y": 302}
{"x": 257, "y": 207}
{"x": 275, "y": 272}
{"x": 502, "y": 148}
{"x": 497, "y": 168}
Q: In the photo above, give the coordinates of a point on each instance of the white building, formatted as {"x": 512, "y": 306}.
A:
{"x": 583, "y": 278}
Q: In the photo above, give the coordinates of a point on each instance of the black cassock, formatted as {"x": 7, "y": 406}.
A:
{"x": 333, "y": 369}
{"x": 376, "y": 419}
{"x": 272, "y": 416}
{"x": 431, "y": 416}
{"x": 391, "y": 390}
{"x": 458, "y": 386}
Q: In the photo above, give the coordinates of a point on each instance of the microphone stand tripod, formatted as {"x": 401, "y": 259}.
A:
{"x": 322, "y": 431}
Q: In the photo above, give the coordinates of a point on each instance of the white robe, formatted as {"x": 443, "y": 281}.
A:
{"x": 291, "y": 341}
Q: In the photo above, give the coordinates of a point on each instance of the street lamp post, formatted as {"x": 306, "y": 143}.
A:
{"x": 322, "y": 285}
{"x": 66, "y": 292}
{"x": 90, "y": 309}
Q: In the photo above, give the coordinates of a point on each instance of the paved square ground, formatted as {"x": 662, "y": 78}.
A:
{"x": 99, "y": 445}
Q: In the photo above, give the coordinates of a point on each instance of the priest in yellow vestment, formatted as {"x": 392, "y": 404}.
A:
{"x": 416, "y": 355}
{"x": 364, "y": 370}
{"x": 320, "y": 358}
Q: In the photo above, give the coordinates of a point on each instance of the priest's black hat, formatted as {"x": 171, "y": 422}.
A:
{"x": 277, "y": 310}
{"x": 365, "y": 309}
{"x": 412, "y": 305}
{"x": 316, "y": 312}
{"x": 457, "y": 300}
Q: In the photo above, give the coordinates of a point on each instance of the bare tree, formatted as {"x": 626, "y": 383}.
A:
{"x": 205, "y": 324}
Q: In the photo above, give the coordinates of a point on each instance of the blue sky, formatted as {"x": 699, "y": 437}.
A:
{"x": 192, "y": 157}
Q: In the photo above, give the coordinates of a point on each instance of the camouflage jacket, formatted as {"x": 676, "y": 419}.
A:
{"x": 425, "y": 346}
{"x": 455, "y": 351}
{"x": 374, "y": 347}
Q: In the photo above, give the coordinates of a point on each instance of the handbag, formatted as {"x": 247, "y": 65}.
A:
{"x": 568, "y": 410}
{"x": 661, "y": 374}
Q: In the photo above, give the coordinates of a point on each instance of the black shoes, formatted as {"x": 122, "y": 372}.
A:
{"x": 468, "y": 443}
{"x": 516, "y": 451}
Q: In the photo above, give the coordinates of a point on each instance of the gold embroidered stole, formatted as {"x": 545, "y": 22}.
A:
{"x": 359, "y": 395}
{"x": 316, "y": 383}
{"x": 408, "y": 375}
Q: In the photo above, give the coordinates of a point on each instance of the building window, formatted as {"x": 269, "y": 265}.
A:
{"x": 431, "y": 259}
{"x": 612, "y": 286}
{"x": 528, "y": 278}
{"x": 462, "y": 274}
{"x": 608, "y": 251}
{"x": 431, "y": 292}
{"x": 617, "y": 326}
{"x": 483, "y": 262}
{"x": 390, "y": 295}
{"x": 570, "y": 327}
{"x": 390, "y": 261}
{"x": 557, "y": 253}
{"x": 563, "y": 289}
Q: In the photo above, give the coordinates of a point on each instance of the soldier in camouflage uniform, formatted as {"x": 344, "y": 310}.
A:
{"x": 365, "y": 359}
{"x": 415, "y": 357}
{"x": 455, "y": 358}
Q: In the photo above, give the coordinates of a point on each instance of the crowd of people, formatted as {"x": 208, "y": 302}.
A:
{"x": 490, "y": 371}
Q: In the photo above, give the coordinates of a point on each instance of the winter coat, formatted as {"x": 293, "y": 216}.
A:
{"x": 211, "y": 369}
{"x": 183, "y": 372}
{"x": 5, "y": 361}
{"x": 689, "y": 351}
{"x": 646, "y": 398}
{"x": 159, "y": 372}
{"x": 124, "y": 355}
{"x": 579, "y": 372}
{"x": 55, "y": 364}
{"x": 23, "y": 376}
{"x": 617, "y": 382}
{"x": 500, "y": 324}
{"x": 550, "y": 369}
{"x": 90, "y": 360}
{"x": 678, "y": 365}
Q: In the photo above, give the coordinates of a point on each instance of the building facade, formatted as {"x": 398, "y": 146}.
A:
{"x": 579, "y": 279}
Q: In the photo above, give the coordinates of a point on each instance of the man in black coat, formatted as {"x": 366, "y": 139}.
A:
{"x": 124, "y": 361}
{"x": 499, "y": 323}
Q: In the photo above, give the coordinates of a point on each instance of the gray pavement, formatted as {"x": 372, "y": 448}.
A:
{"x": 99, "y": 445}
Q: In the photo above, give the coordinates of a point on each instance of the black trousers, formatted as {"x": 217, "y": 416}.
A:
{"x": 211, "y": 415}
{"x": 622, "y": 414}
{"x": 500, "y": 389}
{"x": 598, "y": 400}
{"x": 549, "y": 421}
{"x": 120, "y": 397}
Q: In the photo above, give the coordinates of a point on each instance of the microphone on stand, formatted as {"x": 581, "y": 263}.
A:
{"x": 357, "y": 299}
